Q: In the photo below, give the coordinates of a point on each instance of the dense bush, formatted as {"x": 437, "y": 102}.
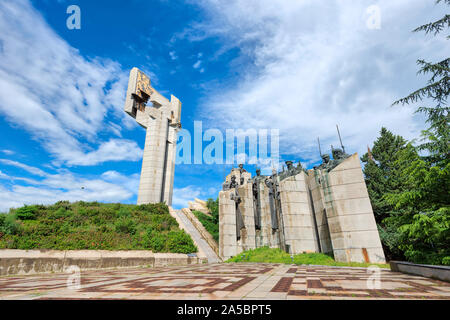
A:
{"x": 209, "y": 223}
{"x": 26, "y": 213}
{"x": 93, "y": 225}
{"x": 213, "y": 206}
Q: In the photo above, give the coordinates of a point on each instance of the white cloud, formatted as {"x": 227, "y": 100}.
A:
{"x": 111, "y": 186}
{"x": 112, "y": 150}
{"x": 173, "y": 55}
{"x": 181, "y": 196}
{"x": 129, "y": 182}
{"x": 8, "y": 152}
{"x": 313, "y": 64}
{"x": 197, "y": 64}
{"x": 33, "y": 170}
{"x": 61, "y": 98}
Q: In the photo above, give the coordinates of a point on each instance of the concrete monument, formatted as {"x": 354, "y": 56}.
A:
{"x": 161, "y": 118}
{"x": 325, "y": 209}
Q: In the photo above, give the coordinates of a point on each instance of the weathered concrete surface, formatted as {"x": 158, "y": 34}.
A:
{"x": 321, "y": 211}
{"x": 199, "y": 205}
{"x": 351, "y": 222}
{"x": 227, "y": 225}
{"x": 424, "y": 270}
{"x": 161, "y": 118}
{"x": 46, "y": 261}
{"x": 204, "y": 249}
{"x": 227, "y": 281}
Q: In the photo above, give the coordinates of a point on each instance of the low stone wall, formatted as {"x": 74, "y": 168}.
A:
{"x": 47, "y": 261}
{"x": 436, "y": 272}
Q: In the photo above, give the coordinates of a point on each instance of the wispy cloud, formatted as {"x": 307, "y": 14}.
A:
{"x": 48, "y": 188}
{"x": 173, "y": 55}
{"x": 8, "y": 152}
{"x": 60, "y": 97}
{"x": 181, "y": 196}
{"x": 315, "y": 64}
{"x": 197, "y": 64}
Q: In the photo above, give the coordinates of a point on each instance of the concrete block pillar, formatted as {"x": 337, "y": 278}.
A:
{"x": 318, "y": 208}
{"x": 153, "y": 162}
{"x": 227, "y": 225}
{"x": 353, "y": 230}
{"x": 299, "y": 231}
{"x": 248, "y": 240}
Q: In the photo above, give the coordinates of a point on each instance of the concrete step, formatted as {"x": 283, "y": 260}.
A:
{"x": 204, "y": 249}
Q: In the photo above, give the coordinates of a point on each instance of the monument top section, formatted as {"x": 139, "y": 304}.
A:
{"x": 161, "y": 119}
{"x": 140, "y": 93}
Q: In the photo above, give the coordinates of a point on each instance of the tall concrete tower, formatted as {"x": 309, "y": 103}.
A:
{"x": 161, "y": 118}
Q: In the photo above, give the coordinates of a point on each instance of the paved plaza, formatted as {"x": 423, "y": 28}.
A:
{"x": 226, "y": 281}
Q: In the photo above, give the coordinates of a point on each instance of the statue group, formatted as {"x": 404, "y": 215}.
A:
{"x": 324, "y": 209}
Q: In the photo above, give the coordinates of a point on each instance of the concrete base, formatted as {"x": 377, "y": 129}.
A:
{"x": 429, "y": 271}
{"x": 24, "y": 262}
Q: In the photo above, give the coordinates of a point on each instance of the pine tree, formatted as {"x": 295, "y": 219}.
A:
{"x": 423, "y": 224}
{"x": 382, "y": 175}
{"x": 436, "y": 137}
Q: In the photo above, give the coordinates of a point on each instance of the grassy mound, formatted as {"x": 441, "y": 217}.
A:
{"x": 82, "y": 225}
{"x": 273, "y": 255}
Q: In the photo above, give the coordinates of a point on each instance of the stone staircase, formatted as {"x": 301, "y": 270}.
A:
{"x": 207, "y": 248}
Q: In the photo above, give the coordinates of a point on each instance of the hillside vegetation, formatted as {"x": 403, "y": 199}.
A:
{"x": 82, "y": 225}
{"x": 211, "y": 223}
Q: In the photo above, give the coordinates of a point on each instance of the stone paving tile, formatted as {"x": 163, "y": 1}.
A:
{"x": 227, "y": 281}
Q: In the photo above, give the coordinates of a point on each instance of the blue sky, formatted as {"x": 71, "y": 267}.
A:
{"x": 299, "y": 66}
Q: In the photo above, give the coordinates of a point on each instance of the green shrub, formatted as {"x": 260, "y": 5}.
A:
{"x": 180, "y": 242}
{"x": 209, "y": 223}
{"x": 124, "y": 212}
{"x": 8, "y": 224}
{"x": 125, "y": 225}
{"x": 157, "y": 242}
{"x": 213, "y": 206}
{"x": 26, "y": 213}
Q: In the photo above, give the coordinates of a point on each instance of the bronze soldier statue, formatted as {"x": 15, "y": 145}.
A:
{"x": 237, "y": 199}
{"x": 270, "y": 183}
{"x": 256, "y": 199}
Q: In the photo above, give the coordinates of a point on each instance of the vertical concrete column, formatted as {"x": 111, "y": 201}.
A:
{"x": 319, "y": 211}
{"x": 162, "y": 119}
{"x": 351, "y": 222}
{"x": 170, "y": 165}
{"x": 246, "y": 206}
{"x": 297, "y": 214}
{"x": 150, "y": 189}
{"x": 266, "y": 221}
{"x": 227, "y": 225}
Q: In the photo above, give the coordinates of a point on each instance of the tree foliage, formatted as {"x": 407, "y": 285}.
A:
{"x": 382, "y": 175}
{"x": 419, "y": 210}
{"x": 436, "y": 137}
